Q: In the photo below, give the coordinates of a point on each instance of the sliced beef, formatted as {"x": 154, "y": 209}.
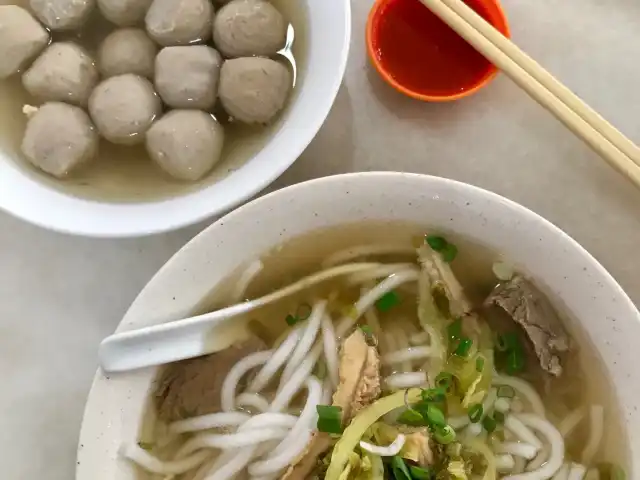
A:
{"x": 192, "y": 387}
{"x": 532, "y": 311}
{"x": 359, "y": 386}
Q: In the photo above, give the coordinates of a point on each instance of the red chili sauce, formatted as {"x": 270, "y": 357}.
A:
{"x": 423, "y": 54}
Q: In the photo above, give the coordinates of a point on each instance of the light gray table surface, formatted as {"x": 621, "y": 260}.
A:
{"x": 60, "y": 295}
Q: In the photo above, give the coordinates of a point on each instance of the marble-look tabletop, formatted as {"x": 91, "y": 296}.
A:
{"x": 60, "y": 295}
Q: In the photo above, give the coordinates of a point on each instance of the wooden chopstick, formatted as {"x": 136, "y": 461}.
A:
{"x": 582, "y": 120}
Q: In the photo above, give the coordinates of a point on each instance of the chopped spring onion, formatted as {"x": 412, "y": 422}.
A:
{"x": 440, "y": 244}
{"x": 498, "y": 417}
{"x": 475, "y": 412}
{"x": 435, "y": 417}
{"x": 480, "y": 364}
{"x": 291, "y": 320}
{"x": 503, "y": 271}
{"x": 329, "y": 419}
{"x": 462, "y": 350}
{"x": 366, "y": 329}
{"x": 146, "y": 446}
{"x": 489, "y": 424}
{"x": 444, "y": 435}
{"x": 434, "y": 395}
{"x": 506, "y": 391}
{"x": 444, "y": 380}
{"x": 454, "y": 330}
{"x": 411, "y": 417}
{"x": 399, "y": 469}
{"x": 420, "y": 473}
{"x": 449, "y": 253}
{"x": 387, "y": 301}
{"x": 436, "y": 242}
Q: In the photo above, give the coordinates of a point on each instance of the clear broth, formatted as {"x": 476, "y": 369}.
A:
{"x": 585, "y": 380}
{"x": 125, "y": 173}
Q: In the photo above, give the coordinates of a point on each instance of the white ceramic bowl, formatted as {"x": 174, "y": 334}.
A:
{"x": 328, "y": 35}
{"x": 607, "y": 316}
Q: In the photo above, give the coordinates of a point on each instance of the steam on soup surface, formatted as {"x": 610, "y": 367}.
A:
{"x": 406, "y": 358}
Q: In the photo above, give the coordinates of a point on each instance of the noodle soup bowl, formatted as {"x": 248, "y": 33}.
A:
{"x": 601, "y": 318}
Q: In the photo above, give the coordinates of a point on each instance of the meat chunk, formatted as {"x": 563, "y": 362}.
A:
{"x": 62, "y": 14}
{"x": 65, "y": 72}
{"x": 21, "y": 39}
{"x": 359, "y": 386}
{"x": 179, "y": 22}
{"x": 127, "y": 50}
{"x": 254, "y": 89}
{"x": 185, "y": 143}
{"x": 533, "y": 312}
{"x": 359, "y": 376}
{"x": 246, "y": 28}
{"x": 193, "y": 387}
{"x": 59, "y": 138}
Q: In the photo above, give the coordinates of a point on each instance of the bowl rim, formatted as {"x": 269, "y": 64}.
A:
{"x": 100, "y": 412}
{"x": 373, "y": 20}
{"x": 99, "y": 219}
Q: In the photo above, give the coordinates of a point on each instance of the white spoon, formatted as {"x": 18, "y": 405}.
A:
{"x": 192, "y": 337}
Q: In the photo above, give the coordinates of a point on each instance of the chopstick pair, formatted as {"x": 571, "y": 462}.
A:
{"x": 582, "y": 120}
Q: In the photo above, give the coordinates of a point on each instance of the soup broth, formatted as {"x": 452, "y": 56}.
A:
{"x": 126, "y": 173}
{"x": 584, "y": 382}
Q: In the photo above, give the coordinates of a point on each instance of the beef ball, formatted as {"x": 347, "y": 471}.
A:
{"x": 59, "y": 138}
{"x": 185, "y": 143}
{"x": 254, "y": 89}
{"x": 21, "y": 39}
{"x": 249, "y": 27}
{"x": 124, "y": 107}
{"x": 127, "y": 50}
{"x": 179, "y": 22}
{"x": 187, "y": 77}
{"x": 62, "y": 14}
{"x": 64, "y": 72}
{"x": 124, "y": 13}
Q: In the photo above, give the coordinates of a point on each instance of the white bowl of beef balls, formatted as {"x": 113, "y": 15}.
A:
{"x": 412, "y": 267}
{"x": 133, "y": 117}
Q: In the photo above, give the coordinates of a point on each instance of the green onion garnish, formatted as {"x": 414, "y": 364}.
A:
{"x": 475, "y": 412}
{"x": 146, "y": 446}
{"x": 449, "y": 253}
{"x": 366, "y": 329}
{"x": 506, "y": 391}
{"x": 498, "y": 417}
{"x": 515, "y": 362}
{"x": 462, "y": 350}
{"x": 411, "y": 417}
{"x": 435, "y": 417}
{"x": 420, "y": 473}
{"x": 329, "y": 419}
{"x": 291, "y": 320}
{"x": 454, "y": 330}
{"x": 434, "y": 395}
{"x": 444, "y": 380}
{"x": 387, "y": 301}
{"x": 479, "y": 364}
{"x": 436, "y": 243}
{"x": 611, "y": 471}
{"x": 444, "y": 435}
{"x": 489, "y": 424}
{"x": 399, "y": 468}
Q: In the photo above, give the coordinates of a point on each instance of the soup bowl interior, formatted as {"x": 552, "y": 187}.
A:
{"x": 31, "y": 196}
{"x": 601, "y": 317}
